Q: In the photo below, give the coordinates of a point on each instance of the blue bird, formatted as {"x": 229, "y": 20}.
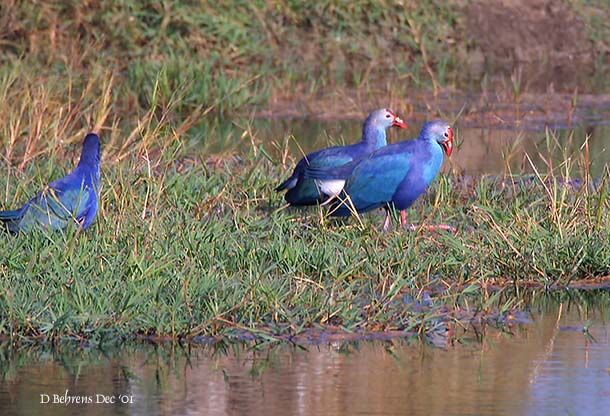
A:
{"x": 391, "y": 177}
{"x": 303, "y": 192}
{"x": 71, "y": 199}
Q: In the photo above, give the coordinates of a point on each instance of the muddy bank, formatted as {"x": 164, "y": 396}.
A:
{"x": 522, "y": 63}
{"x": 545, "y": 43}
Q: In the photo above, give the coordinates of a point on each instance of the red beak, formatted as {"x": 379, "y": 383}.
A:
{"x": 399, "y": 123}
{"x": 448, "y": 143}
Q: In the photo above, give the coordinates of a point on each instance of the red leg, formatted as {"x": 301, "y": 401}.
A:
{"x": 403, "y": 218}
{"x": 403, "y": 221}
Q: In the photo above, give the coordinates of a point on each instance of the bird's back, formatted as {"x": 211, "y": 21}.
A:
{"x": 305, "y": 192}
{"x": 65, "y": 200}
{"x": 73, "y": 198}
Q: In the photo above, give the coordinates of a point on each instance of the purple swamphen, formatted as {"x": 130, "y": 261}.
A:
{"x": 391, "y": 177}
{"x": 303, "y": 191}
{"x": 71, "y": 199}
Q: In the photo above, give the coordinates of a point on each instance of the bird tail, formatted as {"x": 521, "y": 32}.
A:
{"x": 10, "y": 220}
{"x": 304, "y": 193}
{"x": 6, "y": 216}
{"x": 287, "y": 184}
{"x": 340, "y": 209}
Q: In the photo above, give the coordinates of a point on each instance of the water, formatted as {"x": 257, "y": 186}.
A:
{"x": 481, "y": 150}
{"x": 548, "y": 367}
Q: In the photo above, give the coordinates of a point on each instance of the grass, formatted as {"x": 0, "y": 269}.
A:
{"x": 209, "y": 49}
{"x": 189, "y": 249}
{"x": 237, "y": 56}
{"x": 185, "y": 247}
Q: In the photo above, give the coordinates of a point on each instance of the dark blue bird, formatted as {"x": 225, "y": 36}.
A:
{"x": 391, "y": 177}
{"x": 71, "y": 199}
{"x": 303, "y": 192}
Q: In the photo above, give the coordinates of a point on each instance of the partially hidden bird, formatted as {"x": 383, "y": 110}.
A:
{"x": 72, "y": 199}
{"x": 391, "y": 177}
{"x": 302, "y": 192}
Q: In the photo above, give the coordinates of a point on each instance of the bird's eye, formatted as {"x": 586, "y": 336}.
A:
{"x": 446, "y": 135}
{"x": 387, "y": 116}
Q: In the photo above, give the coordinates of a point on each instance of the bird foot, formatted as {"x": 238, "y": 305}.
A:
{"x": 434, "y": 227}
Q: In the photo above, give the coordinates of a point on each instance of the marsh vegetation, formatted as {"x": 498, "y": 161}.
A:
{"x": 191, "y": 239}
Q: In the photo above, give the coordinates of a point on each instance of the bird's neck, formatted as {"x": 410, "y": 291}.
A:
{"x": 374, "y": 136}
{"x": 432, "y": 146}
{"x": 88, "y": 161}
{"x": 89, "y": 164}
{"x": 90, "y": 155}
{"x": 430, "y": 159}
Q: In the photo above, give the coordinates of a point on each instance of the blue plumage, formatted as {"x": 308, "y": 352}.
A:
{"x": 393, "y": 176}
{"x": 303, "y": 191}
{"x": 71, "y": 199}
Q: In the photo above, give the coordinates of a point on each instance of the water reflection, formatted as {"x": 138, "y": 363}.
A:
{"x": 548, "y": 367}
